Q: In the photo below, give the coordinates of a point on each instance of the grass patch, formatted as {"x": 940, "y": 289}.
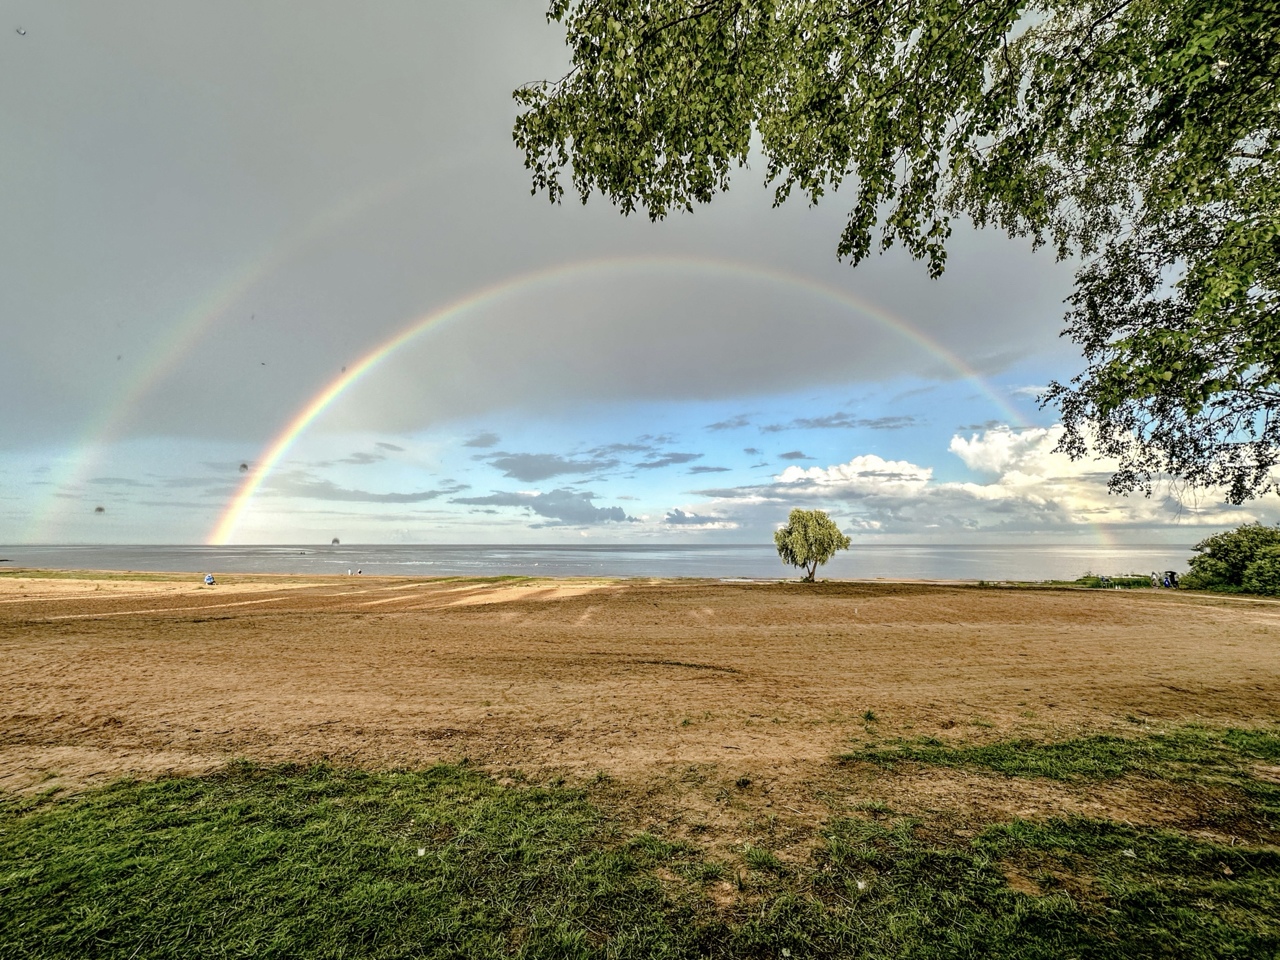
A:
{"x": 290, "y": 862}
{"x": 1127, "y": 582}
{"x": 1095, "y": 889}
{"x": 322, "y": 862}
{"x": 1180, "y": 753}
{"x": 1190, "y": 756}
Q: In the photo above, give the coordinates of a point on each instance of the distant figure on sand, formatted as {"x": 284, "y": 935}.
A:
{"x": 208, "y": 579}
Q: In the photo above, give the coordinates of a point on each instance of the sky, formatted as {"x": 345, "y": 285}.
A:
{"x": 274, "y": 274}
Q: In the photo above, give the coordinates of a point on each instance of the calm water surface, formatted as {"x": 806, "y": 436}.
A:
{"x": 931, "y": 561}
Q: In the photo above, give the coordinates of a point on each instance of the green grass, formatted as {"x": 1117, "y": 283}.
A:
{"x": 1128, "y": 581}
{"x": 1125, "y": 582}
{"x": 323, "y": 862}
{"x": 289, "y": 862}
{"x": 1190, "y": 751}
{"x": 1170, "y": 899}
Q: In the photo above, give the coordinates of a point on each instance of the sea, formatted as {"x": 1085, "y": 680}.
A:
{"x": 1021, "y": 562}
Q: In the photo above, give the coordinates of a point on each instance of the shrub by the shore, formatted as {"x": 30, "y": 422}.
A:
{"x": 1243, "y": 560}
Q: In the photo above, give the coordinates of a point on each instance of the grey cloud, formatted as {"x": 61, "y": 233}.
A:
{"x": 190, "y": 482}
{"x": 564, "y": 507}
{"x": 326, "y": 490}
{"x": 841, "y": 420}
{"x": 678, "y": 518}
{"x": 614, "y": 448}
{"x": 888, "y": 423}
{"x": 389, "y": 446}
{"x": 985, "y": 425}
{"x": 668, "y": 460}
{"x": 708, "y": 469}
{"x": 363, "y": 459}
{"x": 532, "y": 467}
{"x": 485, "y": 439}
{"x": 170, "y": 504}
{"x": 793, "y": 455}
{"x": 913, "y": 392}
{"x": 151, "y": 159}
{"x": 752, "y": 451}
{"x": 117, "y": 482}
{"x": 738, "y": 493}
{"x": 214, "y": 489}
{"x": 582, "y": 361}
{"x": 733, "y": 423}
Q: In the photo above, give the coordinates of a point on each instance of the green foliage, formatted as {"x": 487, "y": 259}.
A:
{"x": 809, "y": 539}
{"x": 1169, "y": 755}
{"x": 1104, "y": 891}
{"x": 1141, "y": 137}
{"x": 1263, "y": 575}
{"x": 294, "y": 862}
{"x": 1244, "y": 559}
{"x": 445, "y": 863}
{"x": 1128, "y": 582}
{"x": 1225, "y": 761}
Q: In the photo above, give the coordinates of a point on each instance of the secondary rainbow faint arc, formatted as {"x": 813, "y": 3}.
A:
{"x": 182, "y": 336}
{"x": 279, "y": 446}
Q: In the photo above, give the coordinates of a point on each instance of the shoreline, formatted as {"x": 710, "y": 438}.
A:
{"x": 759, "y": 562}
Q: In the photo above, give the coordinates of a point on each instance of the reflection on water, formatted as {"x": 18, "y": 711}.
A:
{"x": 930, "y": 561}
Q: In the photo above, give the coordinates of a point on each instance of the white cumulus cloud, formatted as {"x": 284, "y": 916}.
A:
{"x": 866, "y": 472}
{"x": 1027, "y": 489}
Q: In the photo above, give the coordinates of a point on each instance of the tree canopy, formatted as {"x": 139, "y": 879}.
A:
{"x": 1139, "y": 136}
{"x": 809, "y": 539}
{"x": 1246, "y": 559}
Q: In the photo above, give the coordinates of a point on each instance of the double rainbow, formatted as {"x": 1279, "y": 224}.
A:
{"x": 224, "y": 530}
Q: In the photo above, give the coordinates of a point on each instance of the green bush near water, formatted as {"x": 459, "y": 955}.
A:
{"x": 1128, "y": 582}
{"x": 1243, "y": 560}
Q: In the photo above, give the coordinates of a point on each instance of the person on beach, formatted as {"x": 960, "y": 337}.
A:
{"x": 208, "y": 579}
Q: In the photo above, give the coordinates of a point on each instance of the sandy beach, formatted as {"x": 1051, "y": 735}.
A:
{"x": 676, "y": 685}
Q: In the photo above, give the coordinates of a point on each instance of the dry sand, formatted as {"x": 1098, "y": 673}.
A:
{"x": 694, "y": 696}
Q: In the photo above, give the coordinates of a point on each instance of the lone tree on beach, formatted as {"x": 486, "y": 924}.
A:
{"x": 810, "y": 538}
{"x": 1140, "y": 138}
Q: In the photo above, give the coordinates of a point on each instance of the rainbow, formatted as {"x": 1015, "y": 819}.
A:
{"x": 224, "y": 530}
{"x": 184, "y": 334}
